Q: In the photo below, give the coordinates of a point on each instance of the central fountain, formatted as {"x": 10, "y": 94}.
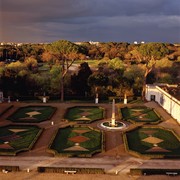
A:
{"x": 113, "y": 124}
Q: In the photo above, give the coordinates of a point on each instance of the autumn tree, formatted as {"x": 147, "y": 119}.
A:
{"x": 148, "y": 54}
{"x": 134, "y": 74}
{"x": 65, "y": 53}
{"x": 31, "y": 63}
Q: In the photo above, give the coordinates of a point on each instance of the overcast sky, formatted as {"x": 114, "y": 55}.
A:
{"x": 85, "y": 20}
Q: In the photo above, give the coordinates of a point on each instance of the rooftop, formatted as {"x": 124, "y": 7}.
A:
{"x": 173, "y": 90}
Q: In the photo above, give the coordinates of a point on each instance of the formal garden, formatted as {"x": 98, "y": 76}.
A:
{"x": 140, "y": 114}
{"x": 77, "y": 141}
{"x": 152, "y": 142}
{"x": 85, "y": 141}
{"x": 84, "y": 114}
{"x": 32, "y": 114}
{"x": 15, "y": 139}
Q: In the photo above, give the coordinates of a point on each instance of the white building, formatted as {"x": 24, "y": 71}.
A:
{"x": 166, "y": 96}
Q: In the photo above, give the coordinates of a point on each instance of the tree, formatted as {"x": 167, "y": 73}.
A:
{"x": 148, "y": 54}
{"x": 79, "y": 82}
{"x": 98, "y": 81}
{"x": 55, "y": 76}
{"x": 66, "y": 53}
{"x": 134, "y": 74}
{"x": 14, "y": 78}
{"x": 31, "y": 63}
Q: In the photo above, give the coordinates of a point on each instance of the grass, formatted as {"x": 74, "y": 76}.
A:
{"x": 95, "y": 113}
{"x": 91, "y": 62}
{"x": 61, "y": 141}
{"x": 170, "y": 141}
{"x": 18, "y": 141}
{"x": 45, "y": 113}
{"x": 148, "y": 115}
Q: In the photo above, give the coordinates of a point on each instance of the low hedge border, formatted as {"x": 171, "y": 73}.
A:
{"x": 25, "y": 121}
{"x": 25, "y": 149}
{"x": 78, "y": 170}
{"x": 136, "y": 122}
{"x": 9, "y": 168}
{"x": 86, "y": 122}
{"x": 32, "y": 143}
{"x": 147, "y": 171}
{"x": 55, "y": 153}
{"x": 148, "y": 156}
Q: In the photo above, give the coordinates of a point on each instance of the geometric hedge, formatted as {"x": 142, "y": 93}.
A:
{"x": 14, "y": 139}
{"x": 32, "y": 114}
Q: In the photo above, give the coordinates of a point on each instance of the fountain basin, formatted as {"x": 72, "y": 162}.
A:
{"x": 108, "y": 125}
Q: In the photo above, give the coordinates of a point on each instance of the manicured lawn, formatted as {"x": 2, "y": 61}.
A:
{"x": 153, "y": 141}
{"x": 140, "y": 114}
{"x": 84, "y": 114}
{"x": 77, "y": 141}
{"x": 32, "y": 114}
{"x": 14, "y": 139}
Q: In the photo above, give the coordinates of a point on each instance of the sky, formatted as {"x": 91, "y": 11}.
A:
{"x": 43, "y": 21}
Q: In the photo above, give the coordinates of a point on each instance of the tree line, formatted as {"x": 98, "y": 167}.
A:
{"x": 122, "y": 68}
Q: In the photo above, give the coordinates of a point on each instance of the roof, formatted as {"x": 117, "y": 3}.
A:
{"x": 173, "y": 90}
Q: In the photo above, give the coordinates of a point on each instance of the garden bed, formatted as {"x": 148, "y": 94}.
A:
{"x": 153, "y": 142}
{"x": 76, "y": 142}
{"x": 14, "y": 139}
{"x": 32, "y": 114}
{"x": 140, "y": 114}
{"x": 84, "y": 114}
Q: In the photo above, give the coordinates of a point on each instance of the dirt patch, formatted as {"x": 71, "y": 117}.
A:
{"x": 152, "y": 140}
{"x": 148, "y": 132}
{"x": 78, "y": 139}
{"x": 157, "y": 149}
{"x": 76, "y": 148}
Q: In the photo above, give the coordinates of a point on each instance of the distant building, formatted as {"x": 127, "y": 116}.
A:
{"x": 92, "y": 42}
{"x": 167, "y": 96}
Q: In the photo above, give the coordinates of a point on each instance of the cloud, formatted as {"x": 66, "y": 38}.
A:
{"x": 103, "y": 20}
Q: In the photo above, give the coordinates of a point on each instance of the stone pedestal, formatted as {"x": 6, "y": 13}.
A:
{"x": 125, "y": 101}
{"x": 96, "y": 100}
{"x": 44, "y": 99}
{"x": 9, "y": 99}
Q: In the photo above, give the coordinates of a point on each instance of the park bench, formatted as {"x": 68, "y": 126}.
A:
{"x": 5, "y": 171}
{"x": 70, "y": 172}
{"x": 172, "y": 173}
